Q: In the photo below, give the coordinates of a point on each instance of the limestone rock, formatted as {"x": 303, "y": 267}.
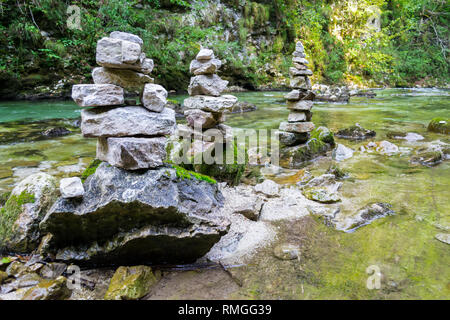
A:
{"x": 132, "y": 153}
{"x": 122, "y": 54}
{"x": 300, "y": 82}
{"x": 127, "y": 79}
{"x": 209, "y": 85}
{"x": 205, "y": 67}
{"x": 287, "y": 251}
{"x": 24, "y": 210}
{"x": 290, "y": 138}
{"x": 126, "y": 122}
{"x": 364, "y": 216}
{"x": 297, "y": 127}
{"x": 268, "y": 188}
{"x": 96, "y": 95}
{"x": 294, "y": 72}
{"x": 202, "y": 119}
{"x": 132, "y": 217}
{"x": 48, "y": 290}
{"x": 302, "y": 105}
{"x": 300, "y": 60}
{"x": 249, "y": 207}
{"x": 299, "y": 116}
{"x": 131, "y": 283}
{"x": 296, "y": 95}
{"x": 321, "y": 194}
{"x": 211, "y": 104}
{"x": 443, "y": 237}
{"x": 205, "y": 54}
{"x": 342, "y": 152}
{"x": 71, "y": 188}
{"x": 154, "y": 97}
{"x": 381, "y": 147}
{"x": 126, "y": 36}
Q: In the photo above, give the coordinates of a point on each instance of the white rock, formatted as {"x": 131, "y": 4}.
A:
{"x": 443, "y": 237}
{"x": 342, "y": 152}
{"x": 97, "y": 95}
{"x": 199, "y": 67}
{"x": 212, "y": 104}
{"x": 71, "y": 188}
{"x": 297, "y": 127}
{"x": 205, "y": 54}
{"x": 132, "y": 153}
{"x": 268, "y": 187}
{"x": 154, "y": 97}
{"x": 127, "y": 79}
{"x": 126, "y": 122}
{"x": 126, "y": 36}
{"x": 209, "y": 85}
{"x": 302, "y": 105}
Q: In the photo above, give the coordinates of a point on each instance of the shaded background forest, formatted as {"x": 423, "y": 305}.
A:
{"x": 371, "y": 43}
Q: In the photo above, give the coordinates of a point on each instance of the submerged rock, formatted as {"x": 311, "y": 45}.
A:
{"x": 158, "y": 216}
{"x": 24, "y": 210}
{"x": 364, "y": 216}
{"x": 342, "y": 152}
{"x": 439, "y": 125}
{"x": 410, "y": 136}
{"x": 443, "y": 237}
{"x": 355, "y": 132}
{"x": 287, "y": 251}
{"x": 321, "y": 194}
{"x": 131, "y": 283}
{"x": 56, "y": 132}
{"x": 381, "y": 147}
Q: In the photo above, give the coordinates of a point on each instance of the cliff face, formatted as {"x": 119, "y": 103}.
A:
{"x": 46, "y": 47}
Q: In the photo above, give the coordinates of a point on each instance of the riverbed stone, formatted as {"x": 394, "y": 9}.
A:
{"x": 96, "y": 95}
{"x": 249, "y": 207}
{"x": 127, "y": 79}
{"x": 364, "y": 216}
{"x": 355, "y": 132}
{"x": 131, "y": 283}
{"x": 202, "y": 119}
{"x": 126, "y": 36}
{"x": 268, "y": 187}
{"x": 321, "y": 194}
{"x": 24, "y": 210}
{"x": 297, "y": 127}
{"x": 71, "y": 188}
{"x": 302, "y": 105}
{"x": 49, "y": 290}
{"x": 132, "y": 153}
{"x": 300, "y": 82}
{"x": 287, "y": 251}
{"x": 154, "y": 97}
{"x": 211, "y": 104}
{"x": 342, "y": 152}
{"x": 298, "y": 116}
{"x": 132, "y": 217}
{"x": 294, "y": 72}
{"x": 205, "y": 54}
{"x": 209, "y": 85}
{"x": 290, "y": 138}
{"x": 126, "y": 122}
{"x": 203, "y": 67}
{"x": 443, "y": 237}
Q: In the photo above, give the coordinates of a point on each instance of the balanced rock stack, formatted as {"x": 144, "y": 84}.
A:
{"x": 126, "y": 215}
{"x": 129, "y": 136}
{"x": 299, "y": 101}
{"x": 204, "y": 110}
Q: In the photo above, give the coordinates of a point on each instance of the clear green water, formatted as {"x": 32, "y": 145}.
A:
{"x": 414, "y": 263}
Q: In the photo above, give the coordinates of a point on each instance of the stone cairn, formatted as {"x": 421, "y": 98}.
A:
{"x": 205, "y": 109}
{"x": 129, "y": 136}
{"x": 297, "y": 129}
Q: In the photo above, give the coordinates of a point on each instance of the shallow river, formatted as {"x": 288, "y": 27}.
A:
{"x": 403, "y": 246}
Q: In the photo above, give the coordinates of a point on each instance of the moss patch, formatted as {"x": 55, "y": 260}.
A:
{"x": 11, "y": 211}
{"x": 90, "y": 170}
{"x": 439, "y": 125}
{"x": 183, "y": 173}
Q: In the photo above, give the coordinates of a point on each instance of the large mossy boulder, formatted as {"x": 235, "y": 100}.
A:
{"x": 321, "y": 141}
{"x": 24, "y": 210}
{"x": 131, "y": 283}
{"x": 143, "y": 216}
{"x": 439, "y": 125}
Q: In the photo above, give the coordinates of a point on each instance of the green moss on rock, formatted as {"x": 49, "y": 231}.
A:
{"x": 439, "y": 125}
{"x": 183, "y": 173}
{"x": 131, "y": 283}
{"x": 90, "y": 170}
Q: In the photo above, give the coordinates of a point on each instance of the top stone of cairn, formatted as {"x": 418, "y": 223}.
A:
{"x": 126, "y": 36}
{"x": 205, "y": 54}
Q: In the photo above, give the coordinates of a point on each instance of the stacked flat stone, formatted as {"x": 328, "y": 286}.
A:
{"x": 204, "y": 110}
{"x": 299, "y": 101}
{"x": 130, "y": 136}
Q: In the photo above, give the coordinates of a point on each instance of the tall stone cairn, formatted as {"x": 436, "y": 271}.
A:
{"x": 205, "y": 108}
{"x": 297, "y": 129}
{"x": 130, "y": 136}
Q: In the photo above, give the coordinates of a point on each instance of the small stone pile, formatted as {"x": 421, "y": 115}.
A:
{"x": 204, "y": 110}
{"x": 299, "y": 101}
{"x": 129, "y": 136}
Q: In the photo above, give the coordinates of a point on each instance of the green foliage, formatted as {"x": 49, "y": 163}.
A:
{"x": 183, "y": 173}
{"x": 90, "y": 170}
